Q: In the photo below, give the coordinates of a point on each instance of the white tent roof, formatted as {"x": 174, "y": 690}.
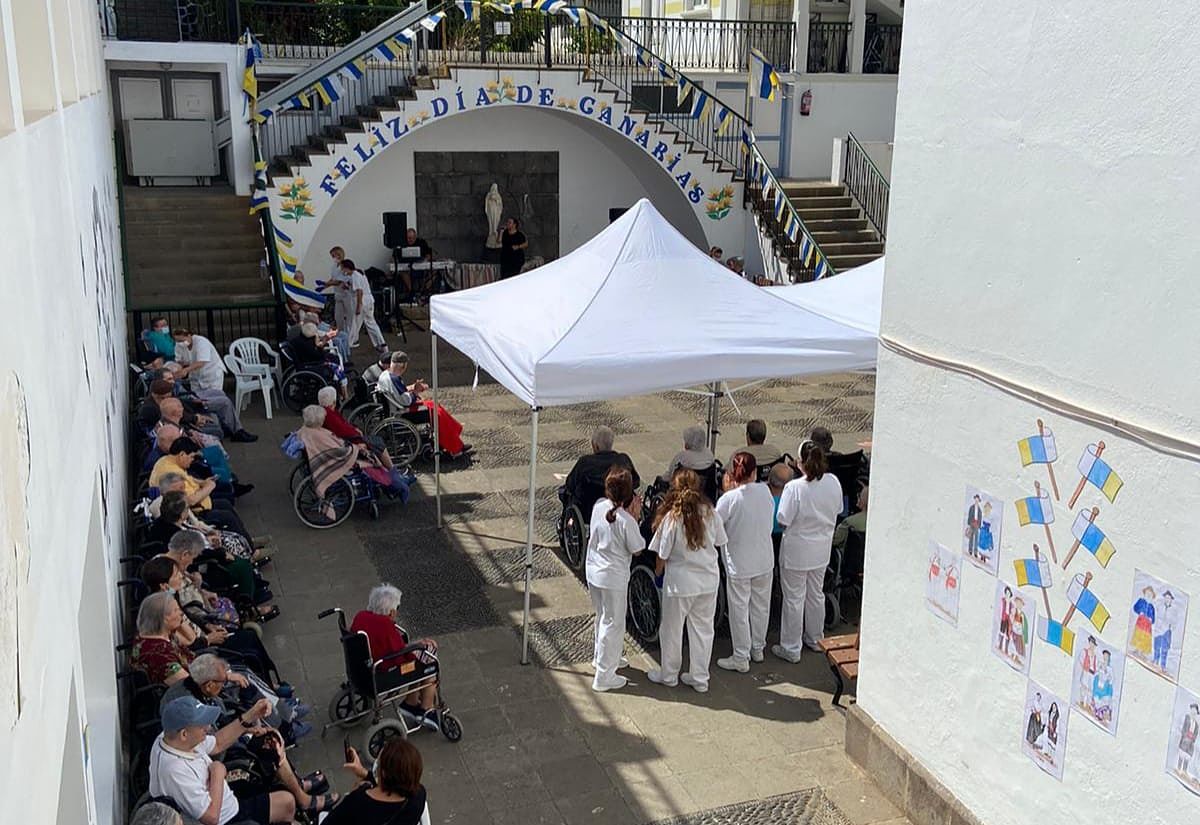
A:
{"x": 638, "y": 309}
{"x": 853, "y": 297}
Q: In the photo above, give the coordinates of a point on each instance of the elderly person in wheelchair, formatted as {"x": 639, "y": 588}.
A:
{"x": 330, "y": 456}
{"x": 583, "y": 487}
{"x": 695, "y": 456}
{"x": 405, "y": 400}
{"x": 337, "y": 424}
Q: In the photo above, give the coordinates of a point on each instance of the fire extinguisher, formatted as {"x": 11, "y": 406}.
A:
{"x": 806, "y": 103}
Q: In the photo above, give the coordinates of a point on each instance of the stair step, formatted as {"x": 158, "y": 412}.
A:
{"x": 834, "y": 250}
{"x": 840, "y": 225}
{"x": 170, "y": 249}
{"x": 199, "y": 234}
{"x": 824, "y": 236}
{"x": 199, "y": 271}
{"x": 821, "y": 202}
{"x": 843, "y": 262}
{"x": 842, "y": 213}
{"x": 812, "y": 189}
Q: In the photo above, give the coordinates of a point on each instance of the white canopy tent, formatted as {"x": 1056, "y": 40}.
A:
{"x": 853, "y": 298}
{"x": 637, "y": 309}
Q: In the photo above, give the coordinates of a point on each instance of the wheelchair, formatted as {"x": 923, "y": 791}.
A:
{"x": 302, "y": 382}
{"x": 330, "y": 510}
{"x": 362, "y": 696}
{"x": 572, "y": 530}
{"x": 407, "y": 435}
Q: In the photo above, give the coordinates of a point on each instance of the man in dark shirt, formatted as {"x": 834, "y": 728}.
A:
{"x": 148, "y": 414}
{"x": 512, "y": 249}
{"x": 411, "y": 240}
{"x": 585, "y": 482}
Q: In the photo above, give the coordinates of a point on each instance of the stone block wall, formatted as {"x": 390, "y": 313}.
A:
{"x": 451, "y": 187}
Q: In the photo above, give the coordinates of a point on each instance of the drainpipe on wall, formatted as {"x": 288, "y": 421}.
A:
{"x": 858, "y": 35}
{"x": 800, "y": 17}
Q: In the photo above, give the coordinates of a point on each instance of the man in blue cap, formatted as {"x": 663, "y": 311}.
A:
{"x": 181, "y": 767}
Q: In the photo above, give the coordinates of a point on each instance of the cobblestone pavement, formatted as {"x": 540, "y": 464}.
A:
{"x": 539, "y": 745}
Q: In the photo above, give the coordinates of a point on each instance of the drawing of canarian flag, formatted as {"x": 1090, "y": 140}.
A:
{"x": 1033, "y": 572}
{"x": 1093, "y": 538}
{"x": 1056, "y": 634}
{"x": 1085, "y": 602}
{"x": 1038, "y": 449}
{"x": 1035, "y": 510}
{"x": 1099, "y": 474}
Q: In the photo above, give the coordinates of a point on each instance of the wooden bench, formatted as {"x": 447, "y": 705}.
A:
{"x": 842, "y": 654}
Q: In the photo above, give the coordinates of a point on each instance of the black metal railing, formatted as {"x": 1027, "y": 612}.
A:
{"x": 867, "y": 184}
{"x": 221, "y": 324}
{"x": 881, "y": 49}
{"x": 308, "y": 30}
{"x": 168, "y": 21}
{"x": 801, "y": 269}
{"x": 712, "y": 44}
{"x": 828, "y": 47}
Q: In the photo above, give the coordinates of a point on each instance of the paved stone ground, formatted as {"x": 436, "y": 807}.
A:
{"x": 539, "y": 745}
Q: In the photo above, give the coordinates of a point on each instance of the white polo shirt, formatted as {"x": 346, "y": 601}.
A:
{"x": 611, "y": 547}
{"x": 183, "y": 776}
{"x": 689, "y": 572}
{"x": 209, "y": 377}
{"x": 808, "y": 512}
{"x": 359, "y": 281}
{"x": 748, "y": 513}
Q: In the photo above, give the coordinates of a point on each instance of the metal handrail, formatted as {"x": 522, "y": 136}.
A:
{"x": 754, "y": 191}
{"x": 378, "y": 35}
{"x": 866, "y": 184}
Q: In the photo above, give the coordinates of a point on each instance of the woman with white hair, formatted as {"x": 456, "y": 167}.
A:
{"x": 405, "y": 399}
{"x": 695, "y": 454}
{"x": 155, "y": 651}
{"x": 330, "y": 457}
{"x": 337, "y": 424}
{"x": 378, "y": 622}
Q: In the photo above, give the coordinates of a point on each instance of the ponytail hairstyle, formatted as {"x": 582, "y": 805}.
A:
{"x": 618, "y": 489}
{"x": 812, "y": 461}
{"x": 742, "y": 468}
{"x": 687, "y": 505}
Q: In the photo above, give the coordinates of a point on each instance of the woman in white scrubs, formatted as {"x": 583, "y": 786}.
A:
{"x": 687, "y": 532}
{"x": 747, "y": 510}
{"x": 808, "y": 511}
{"x": 614, "y": 540}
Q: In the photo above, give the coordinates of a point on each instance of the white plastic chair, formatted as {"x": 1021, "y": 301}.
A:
{"x": 249, "y": 379}
{"x": 251, "y": 352}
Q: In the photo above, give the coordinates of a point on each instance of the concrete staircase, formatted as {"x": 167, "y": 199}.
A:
{"x": 191, "y": 246}
{"x": 836, "y": 222}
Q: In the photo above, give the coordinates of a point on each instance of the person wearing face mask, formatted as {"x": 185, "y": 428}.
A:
{"x": 406, "y": 400}
{"x": 158, "y": 340}
{"x": 201, "y": 365}
{"x": 338, "y": 285}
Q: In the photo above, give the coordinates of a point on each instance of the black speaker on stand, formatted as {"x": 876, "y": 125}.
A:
{"x": 395, "y": 236}
{"x": 395, "y": 229}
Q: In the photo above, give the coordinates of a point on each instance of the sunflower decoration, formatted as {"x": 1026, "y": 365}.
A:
{"x": 297, "y": 200}
{"x": 492, "y": 90}
{"x": 719, "y": 202}
{"x": 424, "y": 115}
{"x": 508, "y": 89}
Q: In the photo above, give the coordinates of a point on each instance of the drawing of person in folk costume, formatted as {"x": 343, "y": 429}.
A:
{"x": 985, "y": 540}
{"x": 1002, "y": 642}
{"x": 1143, "y": 608}
{"x": 1035, "y": 729}
{"x": 1019, "y": 627}
{"x": 1052, "y": 717}
{"x": 1088, "y": 662}
{"x": 1102, "y": 689}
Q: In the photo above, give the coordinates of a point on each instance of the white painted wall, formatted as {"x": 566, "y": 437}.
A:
{"x": 597, "y": 171}
{"x": 862, "y": 104}
{"x": 62, "y": 479}
{"x": 1041, "y": 229}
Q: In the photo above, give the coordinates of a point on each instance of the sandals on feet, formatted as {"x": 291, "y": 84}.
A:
{"x": 315, "y": 783}
{"x": 320, "y": 802}
{"x": 273, "y": 613}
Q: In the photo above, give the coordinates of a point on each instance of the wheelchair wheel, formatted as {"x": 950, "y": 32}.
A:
{"x": 255, "y": 628}
{"x": 347, "y": 705}
{"x": 300, "y": 389}
{"x": 833, "y": 613}
{"x": 402, "y": 439}
{"x": 299, "y": 473}
{"x": 451, "y": 728}
{"x": 571, "y": 538}
{"x": 366, "y": 417}
{"x": 645, "y": 605}
{"x": 381, "y": 733}
{"x": 721, "y": 616}
{"x": 323, "y": 512}
{"x": 373, "y": 509}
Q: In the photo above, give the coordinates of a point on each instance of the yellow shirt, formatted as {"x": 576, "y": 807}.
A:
{"x": 168, "y": 464}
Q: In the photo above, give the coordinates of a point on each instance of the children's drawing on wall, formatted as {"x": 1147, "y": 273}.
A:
{"x": 1088, "y": 535}
{"x": 1040, "y": 449}
{"x": 1157, "y": 616}
{"x": 1095, "y": 471}
{"x": 1096, "y": 682}
{"x": 1045, "y": 720}
{"x": 1183, "y": 752}
{"x": 943, "y": 583}
{"x": 982, "y": 519}
{"x": 1012, "y": 627}
{"x": 1037, "y": 509}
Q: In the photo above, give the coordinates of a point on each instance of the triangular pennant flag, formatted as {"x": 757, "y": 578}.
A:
{"x": 430, "y": 23}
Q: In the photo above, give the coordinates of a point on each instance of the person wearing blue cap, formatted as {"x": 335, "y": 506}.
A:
{"x": 182, "y": 768}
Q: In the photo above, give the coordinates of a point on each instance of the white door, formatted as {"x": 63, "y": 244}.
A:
{"x": 192, "y": 98}
{"x": 141, "y": 97}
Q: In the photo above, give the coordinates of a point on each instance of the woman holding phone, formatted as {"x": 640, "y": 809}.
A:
{"x": 390, "y": 795}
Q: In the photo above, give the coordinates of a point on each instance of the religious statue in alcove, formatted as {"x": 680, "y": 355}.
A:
{"x": 493, "y": 207}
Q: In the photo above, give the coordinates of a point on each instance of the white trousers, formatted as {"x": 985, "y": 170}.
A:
{"x": 749, "y": 604}
{"x": 803, "y": 608}
{"x": 366, "y": 318}
{"x": 343, "y": 314}
{"x": 609, "y": 604}
{"x": 697, "y": 613}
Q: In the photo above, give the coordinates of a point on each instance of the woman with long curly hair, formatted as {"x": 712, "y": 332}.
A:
{"x": 687, "y": 532}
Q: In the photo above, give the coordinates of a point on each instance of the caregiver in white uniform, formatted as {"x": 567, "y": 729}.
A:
{"x": 808, "y": 511}
{"x": 614, "y": 540}
{"x": 687, "y": 533}
{"x": 747, "y": 510}
{"x": 343, "y": 295}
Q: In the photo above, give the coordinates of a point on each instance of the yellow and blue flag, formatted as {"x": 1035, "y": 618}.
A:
{"x": 430, "y": 23}
{"x": 1035, "y": 510}
{"x": 1085, "y": 602}
{"x": 1099, "y": 474}
{"x": 1033, "y": 572}
{"x": 250, "y": 71}
{"x": 701, "y": 104}
{"x": 822, "y": 268}
{"x": 1057, "y": 634}
{"x": 469, "y": 8}
{"x": 748, "y": 144}
{"x": 301, "y": 294}
{"x": 388, "y": 50}
{"x": 327, "y": 90}
{"x": 1038, "y": 449}
{"x": 764, "y": 82}
{"x": 282, "y": 238}
{"x": 355, "y": 69}
{"x": 258, "y": 193}
{"x": 780, "y": 204}
{"x": 1092, "y": 537}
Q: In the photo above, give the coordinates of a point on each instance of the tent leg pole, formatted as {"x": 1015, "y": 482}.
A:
{"x": 437, "y": 444}
{"x": 715, "y": 426}
{"x": 533, "y": 450}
